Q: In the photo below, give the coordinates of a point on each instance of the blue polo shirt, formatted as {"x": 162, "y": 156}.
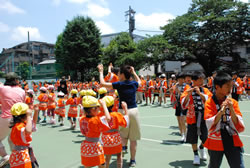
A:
{"x": 127, "y": 91}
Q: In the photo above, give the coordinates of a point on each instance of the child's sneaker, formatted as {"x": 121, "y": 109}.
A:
{"x": 203, "y": 154}
{"x": 4, "y": 160}
{"x": 132, "y": 163}
{"x": 196, "y": 160}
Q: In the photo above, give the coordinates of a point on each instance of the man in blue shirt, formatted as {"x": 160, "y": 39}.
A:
{"x": 126, "y": 88}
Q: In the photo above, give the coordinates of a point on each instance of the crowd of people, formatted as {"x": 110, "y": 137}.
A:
{"x": 108, "y": 117}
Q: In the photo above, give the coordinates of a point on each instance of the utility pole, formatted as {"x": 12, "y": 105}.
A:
{"x": 131, "y": 15}
{"x": 29, "y": 55}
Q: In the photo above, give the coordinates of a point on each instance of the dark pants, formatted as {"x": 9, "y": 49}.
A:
{"x": 234, "y": 158}
{"x": 235, "y": 96}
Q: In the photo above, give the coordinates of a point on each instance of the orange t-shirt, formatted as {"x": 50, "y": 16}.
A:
{"x": 20, "y": 158}
{"x": 111, "y": 77}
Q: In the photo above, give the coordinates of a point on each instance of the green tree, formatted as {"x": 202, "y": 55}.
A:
{"x": 78, "y": 48}
{"x": 24, "y": 70}
{"x": 156, "y": 50}
{"x": 123, "y": 50}
{"x": 210, "y": 30}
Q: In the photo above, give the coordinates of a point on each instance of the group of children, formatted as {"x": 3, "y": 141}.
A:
{"x": 210, "y": 113}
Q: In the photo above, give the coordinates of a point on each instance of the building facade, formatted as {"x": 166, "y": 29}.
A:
{"x": 33, "y": 52}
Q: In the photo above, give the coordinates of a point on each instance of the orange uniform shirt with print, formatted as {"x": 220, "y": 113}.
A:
{"x": 52, "y": 101}
{"x": 18, "y": 136}
{"x": 73, "y": 107}
{"x": 214, "y": 140}
{"x": 92, "y": 153}
{"x": 43, "y": 99}
{"x": 112, "y": 143}
{"x": 29, "y": 101}
{"x": 191, "y": 118}
{"x": 61, "y": 107}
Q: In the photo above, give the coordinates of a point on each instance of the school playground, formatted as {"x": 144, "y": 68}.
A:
{"x": 59, "y": 147}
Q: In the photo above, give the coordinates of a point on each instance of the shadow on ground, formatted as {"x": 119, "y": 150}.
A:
{"x": 172, "y": 142}
{"x": 186, "y": 164}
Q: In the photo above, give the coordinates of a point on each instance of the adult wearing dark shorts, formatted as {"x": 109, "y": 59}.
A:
{"x": 127, "y": 92}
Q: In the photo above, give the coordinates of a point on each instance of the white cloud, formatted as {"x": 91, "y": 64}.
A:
{"x": 7, "y": 6}
{"x": 246, "y": 1}
{"x": 104, "y": 27}
{"x": 20, "y": 33}
{"x": 78, "y": 1}
{"x": 4, "y": 28}
{"x": 153, "y": 21}
{"x": 96, "y": 11}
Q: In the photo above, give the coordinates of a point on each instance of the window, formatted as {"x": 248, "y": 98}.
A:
{"x": 37, "y": 48}
{"x": 48, "y": 67}
{"x": 248, "y": 50}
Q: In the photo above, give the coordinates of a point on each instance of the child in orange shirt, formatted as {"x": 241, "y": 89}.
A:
{"x": 51, "y": 104}
{"x": 61, "y": 108}
{"x": 29, "y": 100}
{"x": 22, "y": 155}
{"x": 79, "y": 100}
{"x": 72, "y": 113}
{"x": 91, "y": 126}
{"x": 43, "y": 102}
{"x": 111, "y": 139}
{"x": 35, "y": 86}
{"x": 224, "y": 122}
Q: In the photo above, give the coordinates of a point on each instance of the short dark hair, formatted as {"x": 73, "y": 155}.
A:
{"x": 17, "y": 119}
{"x": 222, "y": 78}
{"x": 115, "y": 70}
{"x": 11, "y": 82}
{"x": 197, "y": 74}
{"x": 126, "y": 70}
{"x": 180, "y": 75}
{"x": 188, "y": 74}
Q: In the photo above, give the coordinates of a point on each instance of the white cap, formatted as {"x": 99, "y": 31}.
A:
{"x": 163, "y": 76}
{"x": 51, "y": 87}
{"x": 43, "y": 89}
{"x": 60, "y": 93}
{"x": 30, "y": 91}
{"x": 173, "y": 76}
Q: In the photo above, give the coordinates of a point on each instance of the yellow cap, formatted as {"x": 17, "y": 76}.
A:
{"x": 90, "y": 92}
{"x": 83, "y": 92}
{"x": 73, "y": 91}
{"x": 19, "y": 109}
{"x": 90, "y": 101}
{"x": 102, "y": 90}
{"x": 109, "y": 100}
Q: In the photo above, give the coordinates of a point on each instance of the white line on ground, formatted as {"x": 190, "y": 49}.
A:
{"x": 157, "y": 126}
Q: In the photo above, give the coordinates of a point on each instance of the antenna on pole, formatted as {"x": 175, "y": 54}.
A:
{"x": 130, "y": 14}
{"x": 29, "y": 55}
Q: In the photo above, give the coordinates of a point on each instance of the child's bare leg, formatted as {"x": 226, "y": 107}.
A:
{"x": 107, "y": 159}
{"x": 119, "y": 160}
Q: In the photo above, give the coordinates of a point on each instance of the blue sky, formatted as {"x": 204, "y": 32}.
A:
{"x": 45, "y": 19}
